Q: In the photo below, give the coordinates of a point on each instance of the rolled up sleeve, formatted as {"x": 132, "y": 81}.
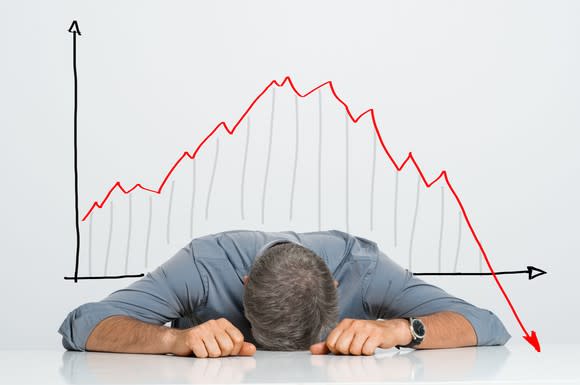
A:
{"x": 393, "y": 292}
{"x": 171, "y": 291}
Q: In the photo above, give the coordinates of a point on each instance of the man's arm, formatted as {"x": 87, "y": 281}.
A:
{"x": 121, "y": 334}
{"x": 214, "y": 338}
{"x": 394, "y": 292}
{"x": 356, "y": 337}
{"x": 445, "y": 330}
{"x": 171, "y": 291}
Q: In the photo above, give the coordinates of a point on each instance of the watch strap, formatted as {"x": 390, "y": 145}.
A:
{"x": 415, "y": 338}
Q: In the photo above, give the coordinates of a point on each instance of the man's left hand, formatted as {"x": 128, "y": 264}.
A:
{"x": 356, "y": 337}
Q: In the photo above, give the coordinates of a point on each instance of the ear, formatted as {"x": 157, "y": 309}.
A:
{"x": 335, "y": 283}
{"x": 245, "y": 279}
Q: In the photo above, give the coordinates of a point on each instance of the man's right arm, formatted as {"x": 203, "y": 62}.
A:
{"x": 214, "y": 338}
{"x": 122, "y": 334}
{"x": 171, "y": 291}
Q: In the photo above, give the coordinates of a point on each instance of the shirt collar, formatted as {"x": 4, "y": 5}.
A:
{"x": 276, "y": 242}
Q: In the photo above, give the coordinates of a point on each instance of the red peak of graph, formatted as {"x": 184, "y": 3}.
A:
{"x": 287, "y": 80}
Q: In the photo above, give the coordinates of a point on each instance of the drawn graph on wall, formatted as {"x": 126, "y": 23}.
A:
{"x": 291, "y": 163}
{"x": 294, "y": 160}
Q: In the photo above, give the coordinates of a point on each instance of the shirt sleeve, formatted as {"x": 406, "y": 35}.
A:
{"x": 394, "y": 292}
{"x": 171, "y": 291}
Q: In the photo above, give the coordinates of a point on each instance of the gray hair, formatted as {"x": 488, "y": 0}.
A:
{"x": 290, "y": 298}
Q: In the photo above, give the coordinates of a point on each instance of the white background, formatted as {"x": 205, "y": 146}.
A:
{"x": 488, "y": 91}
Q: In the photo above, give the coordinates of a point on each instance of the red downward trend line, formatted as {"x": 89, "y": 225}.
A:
{"x": 531, "y": 338}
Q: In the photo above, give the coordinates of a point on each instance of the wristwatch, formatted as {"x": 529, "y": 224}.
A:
{"x": 417, "y": 328}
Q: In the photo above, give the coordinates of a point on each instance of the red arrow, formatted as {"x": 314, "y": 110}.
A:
{"x": 533, "y": 340}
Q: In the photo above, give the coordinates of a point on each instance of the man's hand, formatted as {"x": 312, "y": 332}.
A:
{"x": 214, "y": 338}
{"x": 358, "y": 337}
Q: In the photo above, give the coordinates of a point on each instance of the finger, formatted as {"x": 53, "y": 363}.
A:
{"x": 225, "y": 342}
{"x": 370, "y": 345}
{"x": 211, "y": 346}
{"x": 336, "y": 332}
{"x": 247, "y": 349}
{"x": 357, "y": 343}
{"x": 344, "y": 340}
{"x": 319, "y": 348}
{"x": 198, "y": 347}
{"x": 333, "y": 339}
{"x": 237, "y": 338}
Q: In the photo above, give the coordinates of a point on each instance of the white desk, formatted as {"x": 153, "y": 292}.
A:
{"x": 557, "y": 364}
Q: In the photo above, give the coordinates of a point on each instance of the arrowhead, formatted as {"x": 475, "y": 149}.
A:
{"x": 533, "y": 340}
{"x": 74, "y": 28}
{"x": 534, "y": 272}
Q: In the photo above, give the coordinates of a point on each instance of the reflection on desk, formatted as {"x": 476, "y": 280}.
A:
{"x": 514, "y": 364}
{"x": 387, "y": 365}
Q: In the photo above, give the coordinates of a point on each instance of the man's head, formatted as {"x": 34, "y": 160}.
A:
{"x": 290, "y": 298}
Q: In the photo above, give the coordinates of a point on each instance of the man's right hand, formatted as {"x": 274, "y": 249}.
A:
{"x": 214, "y": 338}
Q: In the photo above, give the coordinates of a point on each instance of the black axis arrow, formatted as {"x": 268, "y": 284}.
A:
{"x": 74, "y": 29}
{"x": 533, "y": 272}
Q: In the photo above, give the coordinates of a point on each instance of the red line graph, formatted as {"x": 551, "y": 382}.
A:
{"x": 531, "y": 338}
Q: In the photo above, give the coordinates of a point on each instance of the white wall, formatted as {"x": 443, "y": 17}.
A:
{"x": 488, "y": 91}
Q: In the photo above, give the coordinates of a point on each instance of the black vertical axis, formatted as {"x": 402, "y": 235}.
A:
{"x": 74, "y": 29}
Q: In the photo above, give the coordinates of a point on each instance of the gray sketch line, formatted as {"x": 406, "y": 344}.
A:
{"x": 346, "y": 165}
{"x": 210, "y": 188}
{"x": 319, "y": 159}
{"x": 458, "y": 242}
{"x": 396, "y": 205}
{"x": 110, "y": 237}
{"x": 169, "y": 209}
{"x": 295, "y": 157}
{"x": 129, "y": 234}
{"x": 243, "y": 185}
{"x": 442, "y": 224}
{"x": 90, "y": 245}
{"x": 191, "y": 212}
{"x": 148, "y": 232}
{"x": 412, "y": 238}
{"x": 269, "y": 153}
{"x": 373, "y": 171}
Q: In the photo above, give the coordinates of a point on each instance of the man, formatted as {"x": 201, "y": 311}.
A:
{"x": 228, "y": 293}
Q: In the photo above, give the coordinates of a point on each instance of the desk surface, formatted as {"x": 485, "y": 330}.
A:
{"x": 556, "y": 364}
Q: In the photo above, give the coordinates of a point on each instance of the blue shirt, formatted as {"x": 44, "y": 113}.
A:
{"x": 204, "y": 281}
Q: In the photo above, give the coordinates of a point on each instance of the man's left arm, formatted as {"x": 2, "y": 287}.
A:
{"x": 394, "y": 294}
{"x": 363, "y": 337}
{"x": 446, "y": 330}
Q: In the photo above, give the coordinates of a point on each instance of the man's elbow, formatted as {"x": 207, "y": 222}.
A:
{"x": 493, "y": 332}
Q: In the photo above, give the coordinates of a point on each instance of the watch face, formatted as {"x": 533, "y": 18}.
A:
{"x": 419, "y": 328}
